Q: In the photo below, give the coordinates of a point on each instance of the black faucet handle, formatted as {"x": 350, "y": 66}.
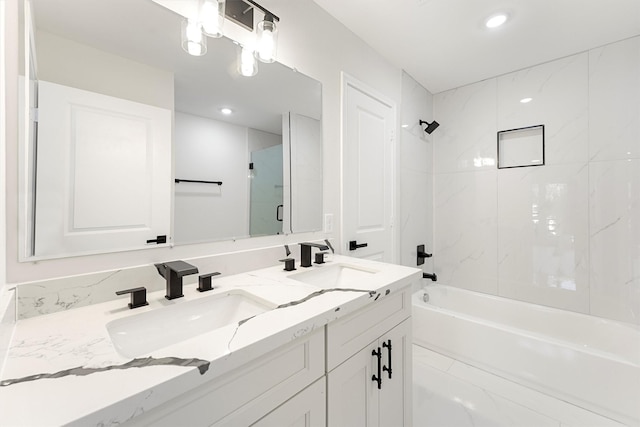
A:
{"x": 320, "y": 257}
{"x": 138, "y": 296}
{"x": 204, "y": 281}
{"x": 422, "y": 255}
{"x": 289, "y": 264}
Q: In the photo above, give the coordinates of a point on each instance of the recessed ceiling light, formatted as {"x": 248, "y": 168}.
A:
{"x": 526, "y": 100}
{"x": 496, "y": 20}
{"x": 226, "y": 111}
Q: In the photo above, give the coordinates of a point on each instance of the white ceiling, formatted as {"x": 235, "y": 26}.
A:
{"x": 443, "y": 44}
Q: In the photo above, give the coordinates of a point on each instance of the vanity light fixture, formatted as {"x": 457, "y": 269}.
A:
{"x": 266, "y": 31}
{"x": 496, "y": 20}
{"x": 526, "y": 100}
{"x": 193, "y": 40}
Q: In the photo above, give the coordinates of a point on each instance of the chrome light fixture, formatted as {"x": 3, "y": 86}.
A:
{"x": 193, "y": 40}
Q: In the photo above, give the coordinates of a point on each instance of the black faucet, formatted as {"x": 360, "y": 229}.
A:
{"x": 173, "y": 272}
{"x": 305, "y": 252}
{"x": 432, "y": 276}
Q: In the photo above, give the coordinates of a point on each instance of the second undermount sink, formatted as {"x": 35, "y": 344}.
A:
{"x": 333, "y": 276}
{"x": 139, "y": 334}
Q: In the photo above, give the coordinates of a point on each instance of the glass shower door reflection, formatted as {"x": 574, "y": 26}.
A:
{"x": 266, "y": 193}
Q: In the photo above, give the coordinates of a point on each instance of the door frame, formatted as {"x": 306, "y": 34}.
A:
{"x": 347, "y": 80}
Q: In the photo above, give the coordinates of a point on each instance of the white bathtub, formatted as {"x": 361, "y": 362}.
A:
{"x": 588, "y": 361}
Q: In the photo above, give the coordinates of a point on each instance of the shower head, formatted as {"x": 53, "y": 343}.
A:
{"x": 430, "y": 126}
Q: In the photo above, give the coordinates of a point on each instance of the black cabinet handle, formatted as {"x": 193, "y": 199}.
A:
{"x": 353, "y": 245}
{"x": 388, "y": 346}
{"x": 138, "y": 296}
{"x": 378, "y": 378}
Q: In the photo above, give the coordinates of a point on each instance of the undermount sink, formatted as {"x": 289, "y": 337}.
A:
{"x": 139, "y": 334}
{"x": 333, "y": 276}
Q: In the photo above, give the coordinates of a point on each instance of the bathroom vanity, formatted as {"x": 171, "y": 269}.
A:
{"x": 328, "y": 344}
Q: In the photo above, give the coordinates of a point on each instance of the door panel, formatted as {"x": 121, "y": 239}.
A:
{"x": 103, "y": 172}
{"x": 368, "y": 199}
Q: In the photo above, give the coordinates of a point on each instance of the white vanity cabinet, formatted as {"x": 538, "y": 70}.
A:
{"x": 358, "y": 392}
{"x": 245, "y": 395}
{"x": 321, "y": 379}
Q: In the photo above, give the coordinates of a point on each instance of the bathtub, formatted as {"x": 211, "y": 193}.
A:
{"x": 591, "y": 362}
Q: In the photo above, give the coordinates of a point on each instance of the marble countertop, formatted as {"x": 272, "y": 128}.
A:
{"x": 63, "y": 368}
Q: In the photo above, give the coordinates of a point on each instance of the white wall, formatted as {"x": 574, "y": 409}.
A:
{"x": 305, "y": 149}
{"x": 311, "y": 41}
{"x": 210, "y": 150}
{"x": 566, "y": 234}
{"x": 69, "y": 63}
{"x": 7, "y": 298}
{"x": 416, "y": 174}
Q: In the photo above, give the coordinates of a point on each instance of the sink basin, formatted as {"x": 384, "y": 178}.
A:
{"x": 333, "y": 276}
{"x": 139, "y": 334}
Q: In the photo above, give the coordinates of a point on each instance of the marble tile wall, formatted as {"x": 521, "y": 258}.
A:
{"x": 416, "y": 174}
{"x": 566, "y": 234}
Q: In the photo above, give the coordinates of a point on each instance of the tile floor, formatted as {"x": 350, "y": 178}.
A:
{"x": 449, "y": 393}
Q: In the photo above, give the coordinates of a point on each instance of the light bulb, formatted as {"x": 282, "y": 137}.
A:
{"x": 247, "y": 64}
{"x": 496, "y": 21}
{"x": 193, "y": 41}
{"x": 212, "y": 17}
{"x": 267, "y": 40}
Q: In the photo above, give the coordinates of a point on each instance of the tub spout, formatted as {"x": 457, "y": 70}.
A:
{"x": 431, "y": 276}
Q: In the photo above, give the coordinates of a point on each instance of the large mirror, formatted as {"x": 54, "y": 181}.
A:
{"x": 136, "y": 136}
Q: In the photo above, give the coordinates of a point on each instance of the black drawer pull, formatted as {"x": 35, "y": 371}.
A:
{"x": 377, "y": 378}
{"x": 388, "y": 346}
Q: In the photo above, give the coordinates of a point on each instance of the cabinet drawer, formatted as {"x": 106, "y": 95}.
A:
{"x": 352, "y": 333}
{"x": 272, "y": 378}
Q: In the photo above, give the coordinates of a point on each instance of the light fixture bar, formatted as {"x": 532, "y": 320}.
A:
{"x": 265, "y": 11}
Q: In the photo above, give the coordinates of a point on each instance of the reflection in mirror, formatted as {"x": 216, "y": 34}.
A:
{"x": 114, "y": 83}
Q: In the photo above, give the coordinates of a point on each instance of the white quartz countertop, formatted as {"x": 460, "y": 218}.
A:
{"x": 63, "y": 368}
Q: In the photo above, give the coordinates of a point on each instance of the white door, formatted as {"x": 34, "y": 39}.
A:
{"x": 103, "y": 172}
{"x": 368, "y": 173}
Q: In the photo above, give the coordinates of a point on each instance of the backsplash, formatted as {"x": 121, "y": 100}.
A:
{"x": 51, "y": 296}
{"x": 7, "y": 321}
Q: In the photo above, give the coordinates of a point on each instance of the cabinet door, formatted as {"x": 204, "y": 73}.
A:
{"x": 352, "y": 395}
{"x": 306, "y": 409}
{"x": 395, "y": 395}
